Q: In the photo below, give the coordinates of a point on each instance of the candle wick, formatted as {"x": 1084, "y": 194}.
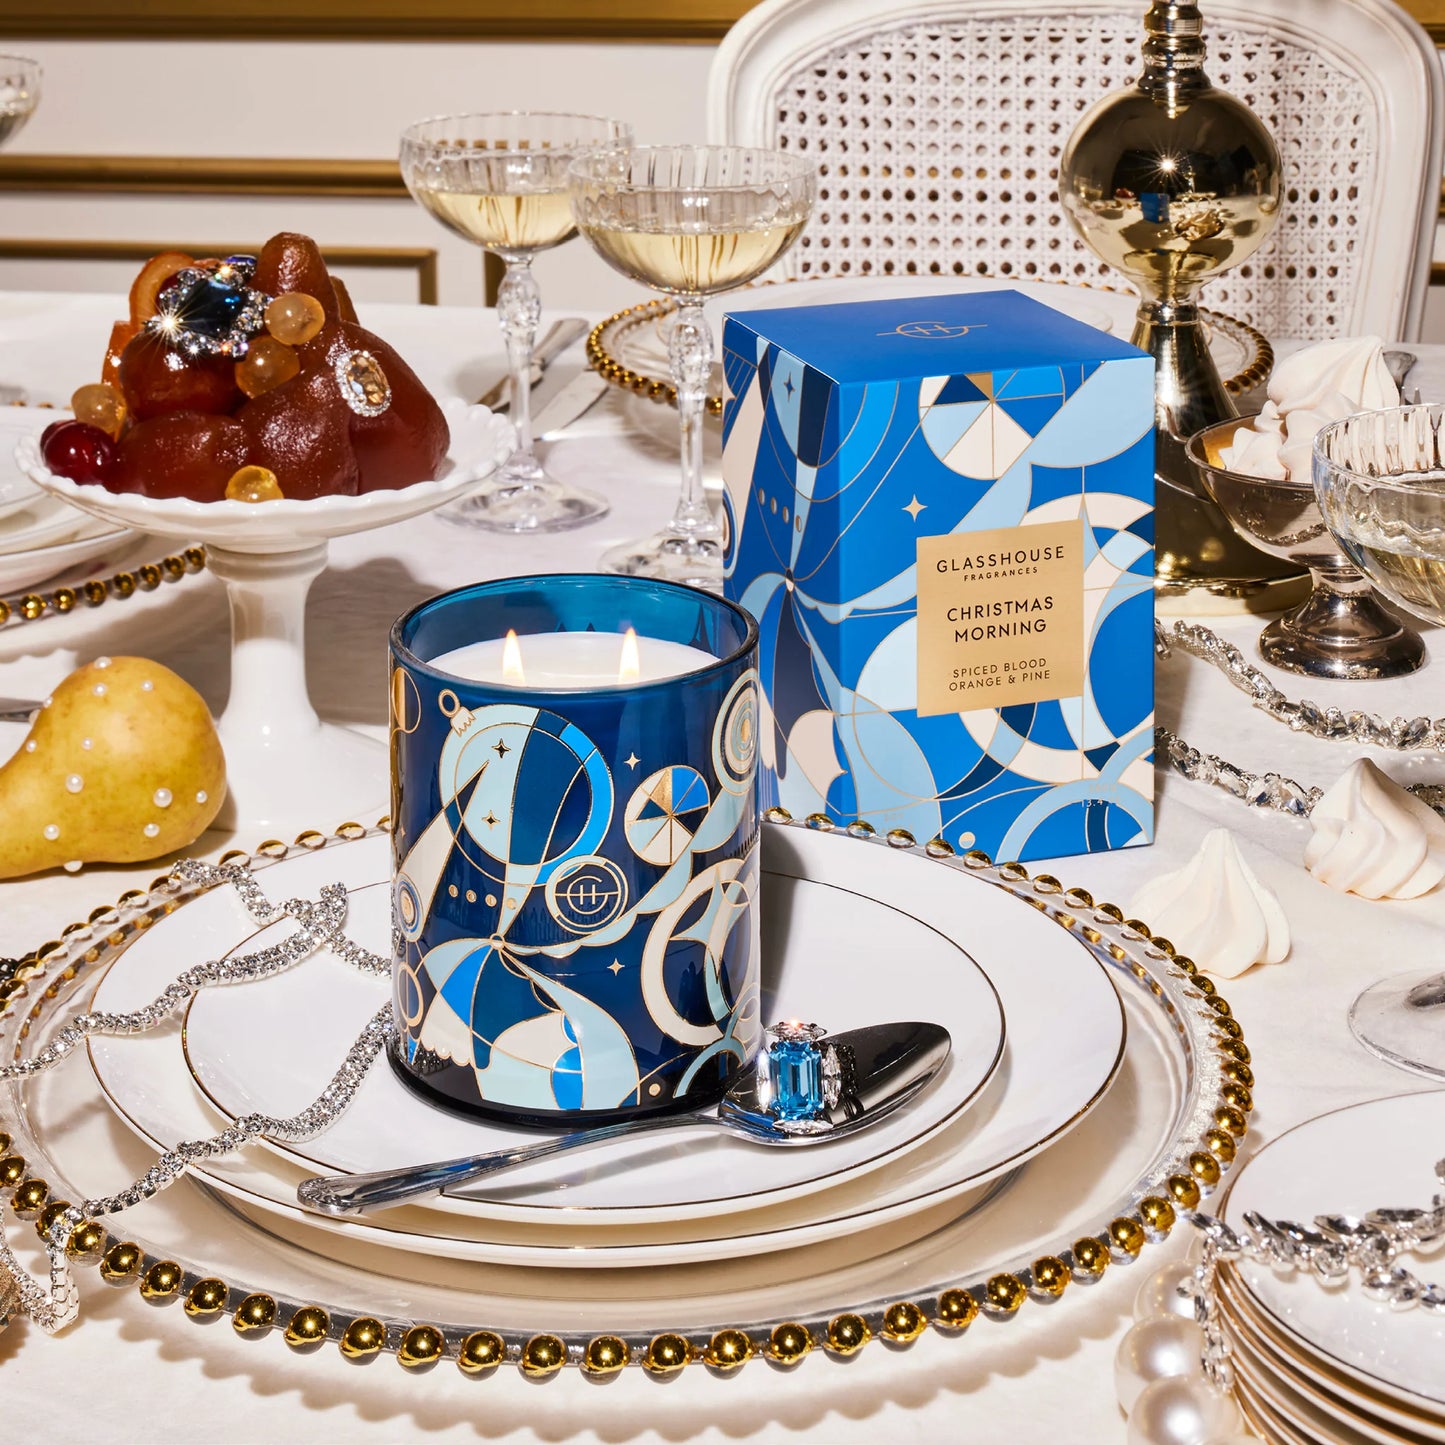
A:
{"x": 629, "y": 669}
{"x": 512, "y": 659}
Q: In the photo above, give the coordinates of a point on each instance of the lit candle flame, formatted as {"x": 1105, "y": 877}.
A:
{"x": 512, "y": 660}
{"x": 630, "y": 667}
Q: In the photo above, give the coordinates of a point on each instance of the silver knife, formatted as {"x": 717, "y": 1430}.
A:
{"x": 570, "y": 404}
{"x": 14, "y": 709}
{"x": 559, "y": 337}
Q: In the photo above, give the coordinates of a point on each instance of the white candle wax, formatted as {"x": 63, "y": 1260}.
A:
{"x": 556, "y": 661}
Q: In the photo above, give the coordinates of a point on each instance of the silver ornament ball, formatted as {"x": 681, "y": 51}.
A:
{"x": 1182, "y": 1411}
{"x": 1156, "y": 1349}
{"x": 1168, "y": 1291}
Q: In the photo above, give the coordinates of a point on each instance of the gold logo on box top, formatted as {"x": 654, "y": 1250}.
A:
{"x": 933, "y": 330}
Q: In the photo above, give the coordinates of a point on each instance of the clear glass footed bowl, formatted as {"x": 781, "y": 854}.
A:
{"x": 1380, "y": 479}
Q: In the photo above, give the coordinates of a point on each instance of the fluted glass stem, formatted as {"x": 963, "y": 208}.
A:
{"x": 519, "y": 310}
{"x": 689, "y": 349}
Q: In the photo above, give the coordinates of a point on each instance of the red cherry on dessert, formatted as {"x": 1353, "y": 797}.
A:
{"x": 83, "y": 453}
{"x": 156, "y": 378}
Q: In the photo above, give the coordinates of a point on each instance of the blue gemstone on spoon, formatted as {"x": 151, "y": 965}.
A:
{"x": 795, "y": 1072}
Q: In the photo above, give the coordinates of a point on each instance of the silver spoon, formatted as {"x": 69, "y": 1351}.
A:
{"x": 1398, "y": 363}
{"x": 866, "y": 1074}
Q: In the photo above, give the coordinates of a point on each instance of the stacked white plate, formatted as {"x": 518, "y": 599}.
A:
{"x": 853, "y": 934}
{"x": 1316, "y": 1364}
{"x": 42, "y": 537}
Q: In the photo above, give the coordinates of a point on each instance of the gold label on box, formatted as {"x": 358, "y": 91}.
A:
{"x": 1000, "y": 617}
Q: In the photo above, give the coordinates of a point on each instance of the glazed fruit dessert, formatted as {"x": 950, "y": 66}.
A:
{"x": 248, "y": 379}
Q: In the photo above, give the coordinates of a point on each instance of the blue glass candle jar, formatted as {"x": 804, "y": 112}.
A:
{"x": 575, "y": 878}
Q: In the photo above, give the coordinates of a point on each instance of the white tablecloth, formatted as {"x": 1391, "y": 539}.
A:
{"x": 126, "y": 1372}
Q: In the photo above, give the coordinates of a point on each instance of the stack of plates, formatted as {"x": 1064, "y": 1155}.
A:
{"x": 1316, "y": 1364}
{"x": 852, "y": 935}
{"x": 41, "y": 536}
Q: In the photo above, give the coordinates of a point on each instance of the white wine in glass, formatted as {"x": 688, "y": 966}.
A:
{"x": 19, "y": 94}
{"x": 500, "y": 182}
{"x": 690, "y": 221}
{"x": 1380, "y": 480}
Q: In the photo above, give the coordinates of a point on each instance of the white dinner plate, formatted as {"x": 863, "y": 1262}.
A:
{"x": 1050, "y": 1080}
{"x": 1350, "y": 1161}
{"x": 94, "y": 549}
{"x": 1268, "y": 1359}
{"x": 17, "y": 491}
{"x": 271, "y": 1050}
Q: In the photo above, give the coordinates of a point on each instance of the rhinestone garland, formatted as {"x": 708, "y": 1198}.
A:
{"x": 1329, "y": 723}
{"x": 320, "y": 923}
{"x": 1261, "y": 790}
{"x": 1337, "y": 1245}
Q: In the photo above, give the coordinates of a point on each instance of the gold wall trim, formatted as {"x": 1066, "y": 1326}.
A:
{"x": 686, "y": 20}
{"x": 420, "y": 259}
{"x": 202, "y": 175}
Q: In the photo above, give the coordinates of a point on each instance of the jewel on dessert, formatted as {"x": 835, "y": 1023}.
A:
{"x": 1215, "y": 910}
{"x": 1372, "y": 838}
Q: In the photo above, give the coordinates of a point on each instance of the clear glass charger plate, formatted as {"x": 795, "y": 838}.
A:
{"x": 1092, "y": 1201}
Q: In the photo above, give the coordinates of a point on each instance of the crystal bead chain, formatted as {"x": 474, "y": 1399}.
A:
{"x": 1261, "y": 790}
{"x": 1329, "y": 1251}
{"x": 1329, "y": 723}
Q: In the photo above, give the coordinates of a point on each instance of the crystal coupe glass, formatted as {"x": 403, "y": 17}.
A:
{"x": 690, "y": 221}
{"x": 500, "y": 182}
{"x": 19, "y": 94}
{"x": 1380, "y": 479}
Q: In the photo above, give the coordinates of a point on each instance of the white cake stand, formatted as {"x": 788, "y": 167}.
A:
{"x": 285, "y": 768}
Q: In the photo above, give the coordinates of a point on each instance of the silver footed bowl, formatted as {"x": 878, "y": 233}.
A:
{"x": 1380, "y": 480}
{"x": 1341, "y": 629}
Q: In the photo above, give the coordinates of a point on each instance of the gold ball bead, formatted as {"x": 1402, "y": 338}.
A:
{"x": 161, "y": 1282}
{"x": 666, "y": 1355}
{"x": 1127, "y": 1235}
{"x": 309, "y": 1326}
{"x": 1004, "y": 1293}
{"x": 50, "y": 1216}
{"x": 482, "y": 1350}
{"x": 903, "y": 1322}
{"x": 1205, "y": 986}
{"x": 728, "y": 1350}
{"x": 1091, "y": 1258}
{"x": 605, "y": 1355}
{"x": 1229, "y": 1026}
{"x": 1221, "y": 1145}
{"x": 1231, "y": 1120}
{"x": 957, "y": 1310}
{"x": 1235, "y": 1049}
{"x": 120, "y": 1262}
{"x": 1219, "y": 1006}
{"x": 29, "y": 1199}
{"x": 4, "y": 1142}
{"x": 1238, "y": 1097}
{"x": 1238, "y": 1073}
{"x": 255, "y": 1315}
{"x": 12, "y": 1169}
{"x": 420, "y": 1346}
{"x": 1204, "y": 1167}
{"x": 1184, "y": 1190}
{"x": 847, "y": 1334}
{"x": 362, "y": 1339}
{"x": 1185, "y": 964}
{"x": 86, "y": 1240}
{"x": 1051, "y": 1276}
{"x": 543, "y": 1355}
{"x": 1157, "y": 1213}
{"x": 206, "y": 1299}
{"x": 789, "y": 1343}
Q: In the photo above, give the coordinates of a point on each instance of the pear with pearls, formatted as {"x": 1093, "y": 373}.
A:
{"x": 121, "y": 764}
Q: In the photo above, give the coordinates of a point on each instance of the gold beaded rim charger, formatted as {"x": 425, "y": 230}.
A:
{"x": 1110, "y": 1187}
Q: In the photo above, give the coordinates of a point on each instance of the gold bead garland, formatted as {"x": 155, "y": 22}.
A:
{"x": 32, "y": 606}
{"x": 483, "y": 1350}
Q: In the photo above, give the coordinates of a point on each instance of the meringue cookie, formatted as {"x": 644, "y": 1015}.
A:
{"x": 1307, "y": 391}
{"x": 1215, "y": 910}
{"x": 1373, "y": 838}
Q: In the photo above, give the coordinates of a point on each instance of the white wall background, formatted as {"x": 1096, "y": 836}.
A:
{"x": 321, "y": 99}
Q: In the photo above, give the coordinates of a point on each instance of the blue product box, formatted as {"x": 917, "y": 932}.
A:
{"x": 942, "y": 515}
